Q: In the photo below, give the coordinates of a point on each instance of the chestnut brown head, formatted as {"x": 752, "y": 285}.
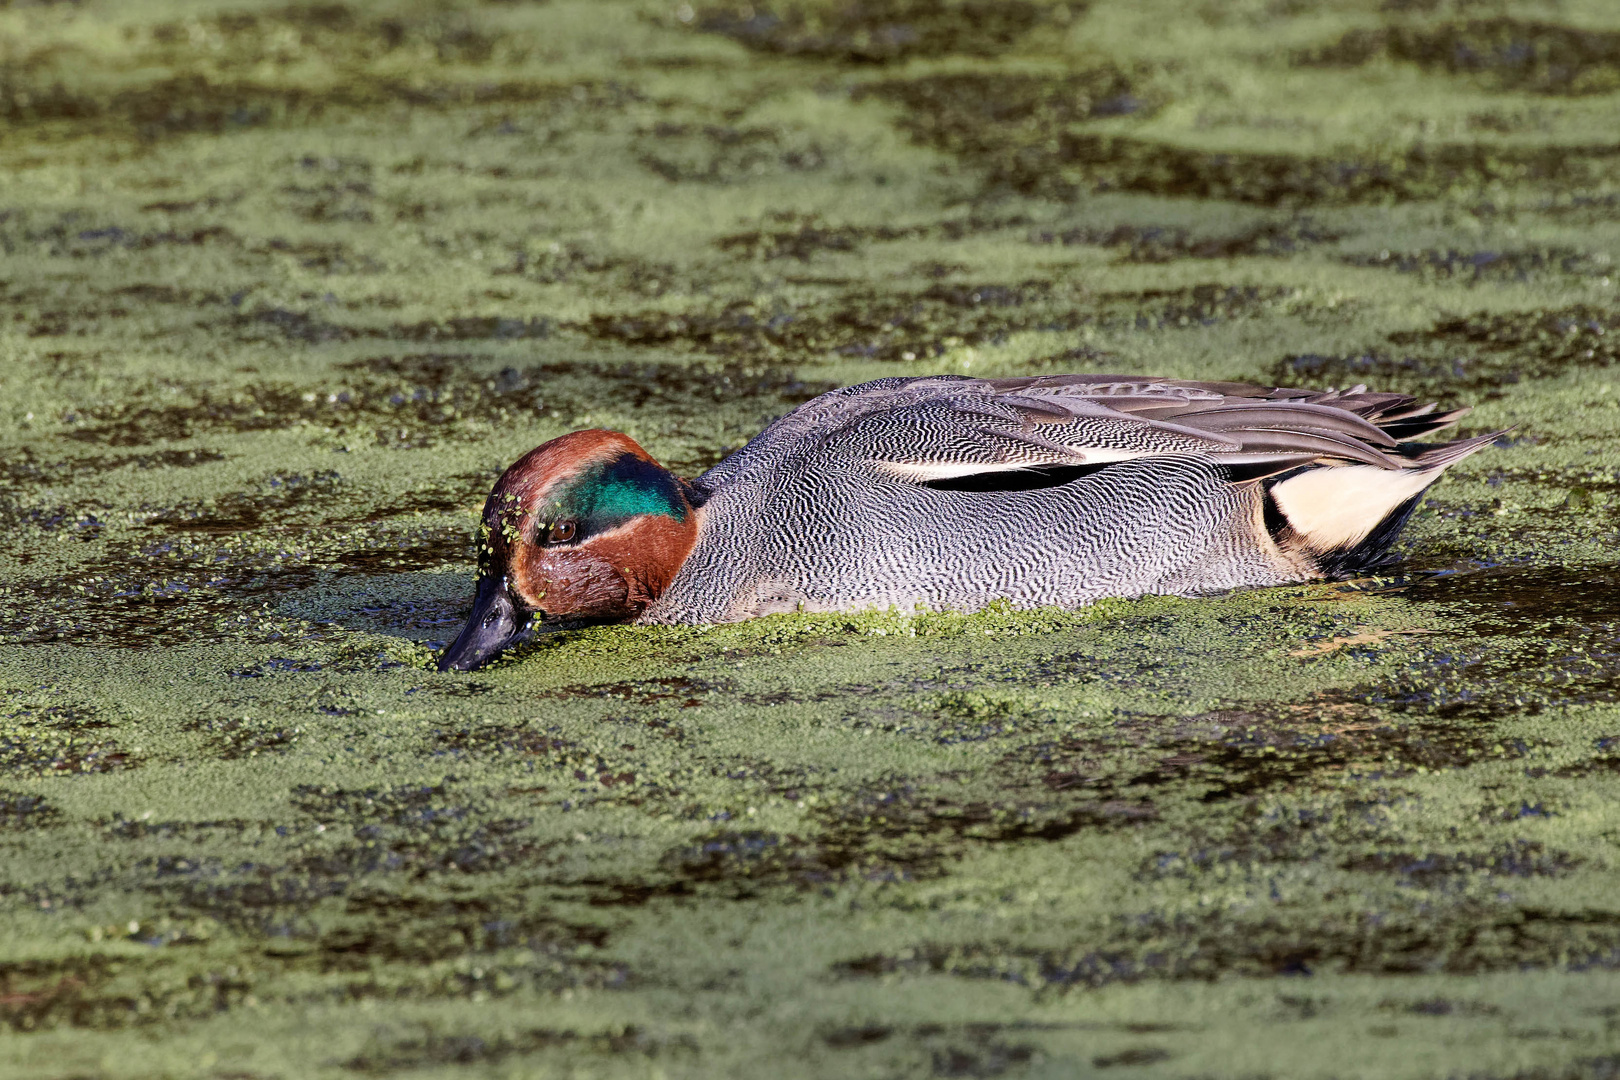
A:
{"x": 584, "y": 529}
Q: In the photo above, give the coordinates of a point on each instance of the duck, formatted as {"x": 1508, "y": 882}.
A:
{"x": 949, "y": 492}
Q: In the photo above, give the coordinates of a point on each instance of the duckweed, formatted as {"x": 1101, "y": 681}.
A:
{"x": 286, "y": 287}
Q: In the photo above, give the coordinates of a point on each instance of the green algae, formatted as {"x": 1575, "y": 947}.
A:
{"x": 1543, "y": 58}
{"x": 286, "y": 286}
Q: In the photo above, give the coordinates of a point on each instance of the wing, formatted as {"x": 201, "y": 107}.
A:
{"x": 945, "y": 427}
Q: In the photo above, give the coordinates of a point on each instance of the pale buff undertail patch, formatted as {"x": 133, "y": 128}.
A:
{"x": 1336, "y": 507}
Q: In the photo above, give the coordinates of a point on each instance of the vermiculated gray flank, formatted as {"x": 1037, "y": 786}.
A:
{"x": 948, "y": 492}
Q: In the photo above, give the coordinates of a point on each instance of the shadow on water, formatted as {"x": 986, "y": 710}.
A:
{"x": 1525, "y": 640}
{"x": 1516, "y": 600}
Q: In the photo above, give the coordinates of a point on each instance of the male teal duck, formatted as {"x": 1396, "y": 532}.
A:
{"x": 948, "y": 492}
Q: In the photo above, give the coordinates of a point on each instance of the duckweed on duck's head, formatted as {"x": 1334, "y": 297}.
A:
{"x": 286, "y": 288}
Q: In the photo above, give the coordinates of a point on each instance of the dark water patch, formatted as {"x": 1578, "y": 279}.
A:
{"x": 326, "y": 257}
{"x": 1527, "y": 600}
{"x": 410, "y": 806}
{"x": 154, "y": 603}
{"x": 167, "y": 293}
{"x": 419, "y": 831}
{"x": 1505, "y": 53}
{"x": 1428, "y": 870}
{"x": 1194, "y": 306}
{"x": 1581, "y": 208}
{"x": 190, "y": 104}
{"x": 1490, "y": 680}
{"x": 1603, "y": 756}
{"x": 967, "y": 716}
{"x": 1462, "y": 938}
{"x": 37, "y": 995}
{"x": 638, "y": 385}
{"x": 986, "y": 1058}
{"x": 245, "y": 737}
{"x": 807, "y": 239}
{"x": 25, "y": 469}
{"x": 1136, "y": 1055}
{"x": 454, "y": 950}
{"x": 40, "y": 739}
{"x": 402, "y": 551}
{"x": 729, "y": 855}
{"x": 937, "y": 269}
{"x": 413, "y": 618}
{"x": 1027, "y": 134}
{"x": 277, "y": 665}
{"x": 20, "y": 810}
{"x": 139, "y": 419}
{"x": 120, "y": 827}
{"x": 1578, "y": 336}
{"x": 1159, "y": 244}
{"x": 1422, "y": 375}
{"x": 60, "y": 522}
{"x": 1529, "y": 639}
{"x": 1236, "y": 755}
{"x": 479, "y": 328}
{"x": 559, "y": 262}
{"x": 331, "y": 190}
{"x": 458, "y": 689}
{"x": 850, "y": 1037}
{"x": 458, "y": 491}
{"x": 441, "y": 1050}
{"x": 1474, "y": 355}
{"x": 517, "y": 952}
{"x": 740, "y": 863}
{"x": 1125, "y": 163}
{"x": 895, "y": 833}
{"x": 32, "y": 751}
{"x": 187, "y": 587}
{"x": 375, "y": 408}
{"x": 119, "y": 605}
{"x": 1486, "y": 266}
{"x": 724, "y": 154}
{"x": 1546, "y": 637}
{"x": 949, "y": 717}
{"x": 675, "y": 690}
{"x": 419, "y": 400}
{"x": 416, "y": 928}
{"x": 299, "y": 326}
{"x": 1440, "y": 1006}
{"x": 88, "y": 995}
{"x": 879, "y": 31}
{"x": 983, "y": 114}
{"x": 985, "y": 1049}
{"x": 280, "y": 497}
{"x": 319, "y": 25}
{"x": 929, "y": 323}
{"x": 490, "y": 740}
{"x": 74, "y": 235}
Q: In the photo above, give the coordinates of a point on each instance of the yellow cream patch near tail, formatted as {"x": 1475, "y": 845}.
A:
{"x": 1337, "y": 506}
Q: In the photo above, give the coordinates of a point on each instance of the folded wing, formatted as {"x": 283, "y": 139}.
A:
{"x": 942, "y": 428}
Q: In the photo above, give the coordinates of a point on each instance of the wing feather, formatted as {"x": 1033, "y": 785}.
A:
{"x": 949, "y": 426}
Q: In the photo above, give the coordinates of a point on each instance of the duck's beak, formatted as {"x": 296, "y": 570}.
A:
{"x": 496, "y": 622}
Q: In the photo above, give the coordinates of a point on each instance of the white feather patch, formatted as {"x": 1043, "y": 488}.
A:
{"x": 1337, "y": 506}
{"x": 923, "y": 471}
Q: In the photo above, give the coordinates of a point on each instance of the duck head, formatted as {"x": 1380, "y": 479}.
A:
{"x": 583, "y": 529}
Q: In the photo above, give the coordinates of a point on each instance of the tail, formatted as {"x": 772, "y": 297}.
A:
{"x": 1342, "y": 518}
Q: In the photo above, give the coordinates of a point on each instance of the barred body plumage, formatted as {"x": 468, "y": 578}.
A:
{"x": 951, "y": 492}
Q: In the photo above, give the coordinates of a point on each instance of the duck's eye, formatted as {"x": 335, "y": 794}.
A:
{"x": 560, "y": 532}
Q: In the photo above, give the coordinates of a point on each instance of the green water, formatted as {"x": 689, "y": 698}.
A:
{"x": 284, "y": 289}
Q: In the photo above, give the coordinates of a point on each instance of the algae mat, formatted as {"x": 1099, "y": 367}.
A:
{"x": 285, "y": 287}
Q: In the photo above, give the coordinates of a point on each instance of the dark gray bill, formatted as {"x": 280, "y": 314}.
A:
{"x": 495, "y": 623}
